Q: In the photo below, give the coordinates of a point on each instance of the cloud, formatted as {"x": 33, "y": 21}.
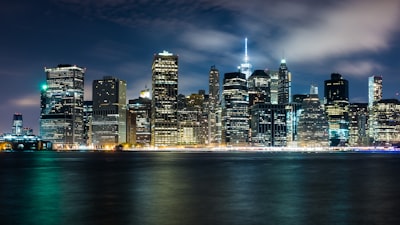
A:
{"x": 32, "y": 100}
{"x": 351, "y": 27}
{"x": 362, "y": 68}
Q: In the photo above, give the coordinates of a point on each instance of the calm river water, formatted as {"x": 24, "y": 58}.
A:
{"x": 199, "y": 188}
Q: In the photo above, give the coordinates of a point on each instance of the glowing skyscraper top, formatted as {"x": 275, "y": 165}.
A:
{"x": 245, "y": 67}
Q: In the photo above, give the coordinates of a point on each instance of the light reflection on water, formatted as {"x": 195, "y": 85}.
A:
{"x": 199, "y": 188}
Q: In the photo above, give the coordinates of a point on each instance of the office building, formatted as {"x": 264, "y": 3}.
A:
{"x": 358, "y": 124}
{"x": 191, "y": 130}
{"x": 214, "y": 125}
{"x": 164, "y": 117}
{"x": 138, "y": 121}
{"x": 336, "y": 105}
{"x": 284, "y": 84}
{"x": 312, "y": 130}
{"x": 87, "y": 123}
{"x": 374, "y": 90}
{"x": 235, "y": 109}
{"x": 259, "y": 87}
{"x": 268, "y": 125}
{"x": 61, "y": 116}
{"x": 109, "y": 112}
{"x": 17, "y": 127}
{"x": 385, "y": 119}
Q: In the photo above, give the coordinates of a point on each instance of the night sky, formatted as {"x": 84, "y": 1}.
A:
{"x": 357, "y": 38}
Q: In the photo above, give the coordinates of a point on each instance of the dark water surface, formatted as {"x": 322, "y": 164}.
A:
{"x": 199, "y": 188}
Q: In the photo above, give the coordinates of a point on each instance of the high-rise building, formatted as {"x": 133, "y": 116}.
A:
{"x": 312, "y": 130}
{"x": 17, "y": 127}
{"x": 336, "y": 105}
{"x": 374, "y": 90}
{"x": 385, "y": 119}
{"x": 87, "y": 122}
{"x": 246, "y": 67}
{"x": 284, "y": 84}
{"x": 235, "y": 109}
{"x": 190, "y": 120}
{"x": 109, "y": 112}
{"x": 274, "y": 86}
{"x": 268, "y": 125}
{"x": 164, "y": 111}
{"x": 358, "y": 124}
{"x": 214, "y": 108}
{"x": 138, "y": 122}
{"x": 61, "y": 116}
{"x": 259, "y": 85}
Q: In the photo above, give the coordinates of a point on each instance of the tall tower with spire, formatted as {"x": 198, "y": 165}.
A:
{"x": 246, "y": 67}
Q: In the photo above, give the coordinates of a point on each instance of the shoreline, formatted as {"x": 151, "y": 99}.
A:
{"x": 231, "y": 150}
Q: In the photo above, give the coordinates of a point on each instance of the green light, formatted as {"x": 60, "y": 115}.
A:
{"x": 44, "y": 87}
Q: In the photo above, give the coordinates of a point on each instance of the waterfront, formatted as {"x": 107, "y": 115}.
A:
{"x": 199, "y": 188}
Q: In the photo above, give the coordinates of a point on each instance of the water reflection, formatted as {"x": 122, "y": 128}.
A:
{"x": 198, "y": 188}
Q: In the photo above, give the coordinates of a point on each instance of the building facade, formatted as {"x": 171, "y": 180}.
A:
{"x": 337, "y": 108}
{"x": 358, "y": 124}
{"x": 214, "y": 125}
{"x": 313, "y": 126}
{"x": 259, "y": 87}
{"x": 138, "y": 122}
{"x": 109, "y": 112}
{"x": 235, "y": 109}
{"x": 164, "y": 111}
{"x": 284, "y": 84}
{"x": 268, "y": 125}
{"x": 374, "y": 90}
{"x": 385, "y": 121}
{"x": 61, "y": 116}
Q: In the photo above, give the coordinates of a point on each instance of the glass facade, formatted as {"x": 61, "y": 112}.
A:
{"x": 336, "y": 106}
{"x": 164, "y": 111}
{"x": 268, "y": 125}
{"x": 235, "y": 109}
{"x": 61, "y": 117}
{"x": 358, "y": 124}
{"x": 109, "y": 112}
{"x": 214, "y": 108}
{"x": 313, "y": 124}
{"x": 374, "y": 90}
{"x": 138, "y": 122}
{"x": 385, "y": 120}
{"x": 284, "y": 84}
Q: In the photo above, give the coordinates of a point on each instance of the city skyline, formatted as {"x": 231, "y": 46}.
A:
{"x": 357, "y": 39}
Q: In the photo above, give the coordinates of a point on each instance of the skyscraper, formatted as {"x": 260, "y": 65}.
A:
{"x": 358, "y": 124}
{"x": 235, "y": 109}
{"x": 109, "y": 112}
{"x": 313, "y": 126}
{"x": 374, "y": 90}
{"x": 336, "y": 106}
{"x": 17, "y": 127}
{"x": 259, "y": 84}
{"x": 164, "y": 117}
{"x": 246, "y": 67}
{"x": 284, "y": 84}
{"x": 139, "y": 120}
{"x": 61, "y": 117}
{"x": 214, "y": 107}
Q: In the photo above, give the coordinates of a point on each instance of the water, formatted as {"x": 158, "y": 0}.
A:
{"x": 199, "y": 188}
